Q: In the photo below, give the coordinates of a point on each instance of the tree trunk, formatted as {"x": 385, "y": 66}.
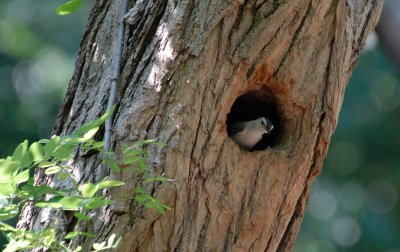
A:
{"x": 185, "y": 65}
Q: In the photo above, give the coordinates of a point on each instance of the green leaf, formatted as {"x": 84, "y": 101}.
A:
{"x": 132, "y": 152}
{"x": 48, "y": 204}
{"x": 154, "y": 203}
{"x": 52, "y": 170}
{"x": 3, "y": 202}
{"x": 116, "y": 243}
{"x": 68, "y": 7}
{"x": 71, "y": 202}
{"x": 110, "y": 240}
{"x": 7, "y": 189}
{"x": 43, "y": 141}
{"x": 54, "y": 142}
{"x": 73, "y": 140}
{"x": 31, "y": 181}
{"x": 88, "y": 190}
{"x": 150, "y": 202}
{"x": 48, "y": 236}
{"x": 99, "y": 246}
{"x": 113, "y": 165}
{"x": 81, "y": 216}
{"x": 86, "y": 127}
{"x": 139, "y": 189}
{"x": 8, "y": 170}
{"x": 8, "y": 212}
{"x": 90, "y": 134}
{"x": 109, "y": 183}
{"x": 22, "y": 177}
{"x": 20, "y": 151}
{"x": 36, "y": 151}
{"x": 37, "y": 192}
{"x": 27, "y": 161}
{"x": 141, "y": 198}
{"x": 93, "y": 145}
{"x": 135, "y": 157}
{"x": 132, "y": 160}
{"x": 73, "y": 234}
{"x": 94, "y": 124}
{"x": 63, "y": 152}
{"x": 17, "y": 245}
{"x": 63, "y": 175}
{"x": 96, "y": 202}
{"x": 45, "y": 164}
{"x": 97, "y": 145}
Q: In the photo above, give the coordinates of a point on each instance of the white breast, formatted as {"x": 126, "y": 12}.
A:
{"x": 247, "y": 138}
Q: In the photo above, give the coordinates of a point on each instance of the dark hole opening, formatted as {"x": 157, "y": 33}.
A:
{"x": 253, "y": 105}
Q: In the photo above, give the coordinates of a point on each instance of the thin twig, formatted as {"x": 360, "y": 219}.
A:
{"x": 165, "y": 179}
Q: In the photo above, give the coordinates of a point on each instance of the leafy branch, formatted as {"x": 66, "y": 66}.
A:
{"x": 17, "y": 186}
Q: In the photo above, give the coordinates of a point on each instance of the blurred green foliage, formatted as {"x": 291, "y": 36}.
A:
{"x": 37, "y": 49}
{"x": 354, "y": 203}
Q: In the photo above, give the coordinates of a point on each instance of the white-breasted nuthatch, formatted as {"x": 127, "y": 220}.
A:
{"x": 248, "y": 133}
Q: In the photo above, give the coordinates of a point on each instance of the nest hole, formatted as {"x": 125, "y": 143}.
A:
{"x": 253, "y": 105}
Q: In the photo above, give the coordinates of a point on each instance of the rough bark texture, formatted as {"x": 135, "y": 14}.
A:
{"x": 185, "y": 63}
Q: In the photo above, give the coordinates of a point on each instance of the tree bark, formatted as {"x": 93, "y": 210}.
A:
{"x": 185, "y": 63}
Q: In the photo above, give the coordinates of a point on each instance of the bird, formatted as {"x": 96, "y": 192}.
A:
{"x": 248, "y": 133}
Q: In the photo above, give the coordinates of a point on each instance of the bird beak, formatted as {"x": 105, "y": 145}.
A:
{"x": 269, "y": 128}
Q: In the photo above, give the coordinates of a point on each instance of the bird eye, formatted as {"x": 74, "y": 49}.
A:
{"x": 263, "y": 122}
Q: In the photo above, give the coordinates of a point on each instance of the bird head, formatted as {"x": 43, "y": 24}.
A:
{"x": 266, "y": 124}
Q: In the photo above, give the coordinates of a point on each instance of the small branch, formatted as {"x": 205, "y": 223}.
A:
{"x": 166, "y": 179}
{"x": 119, "y": 45}
{"x": 103, "y": 168}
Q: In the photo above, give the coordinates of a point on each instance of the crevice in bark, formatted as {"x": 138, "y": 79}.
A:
{"x": 268, "y": 243}
{"x": 203, "y": 233}
{"x": 297, "y": 215}
{"x": 144, "y": 28}
{"x": 294, "y": 38}
{"x": 71, "y": 221}
{"x": 272, "y": 8}
{"x": 239, "y": 29}
{"x": 188, "y": 10}
{"x": 239, "y": 219}
{"x": 252, "y": 193}
{"x": 255, "y": 241}
{"x": 317, "y": 158}
{"x": 178, "y": 244}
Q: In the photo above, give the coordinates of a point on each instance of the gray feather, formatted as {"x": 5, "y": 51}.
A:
{"x": 237, "y": 127}
{"x": 248, "y": 134}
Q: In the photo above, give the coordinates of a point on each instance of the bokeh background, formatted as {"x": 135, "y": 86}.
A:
{"x": 37, "y": 52}
{"x": 354, "y": 204}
